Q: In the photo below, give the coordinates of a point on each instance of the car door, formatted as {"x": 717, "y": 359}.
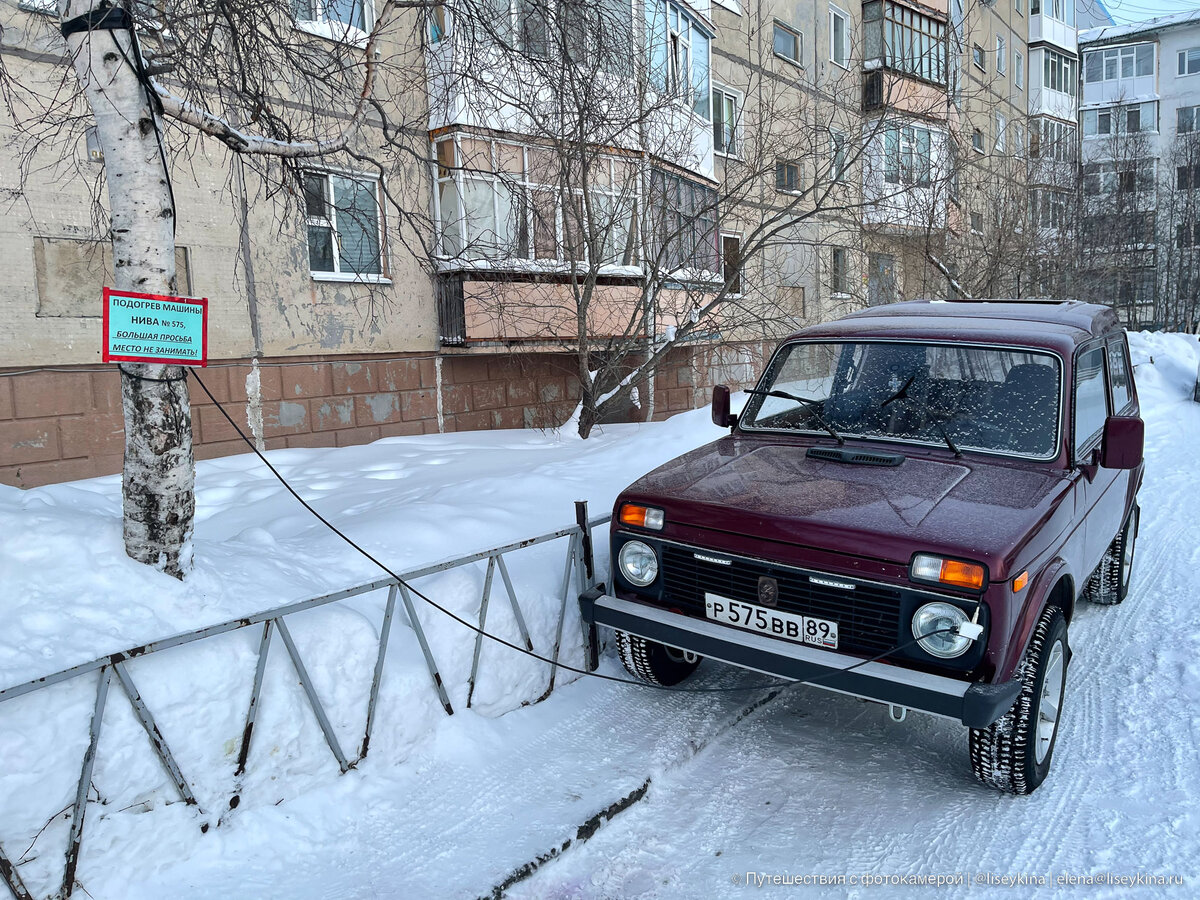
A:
{"x": 1097, "y": 491}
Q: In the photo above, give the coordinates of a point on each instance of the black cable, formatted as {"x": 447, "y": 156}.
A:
{"x": 499, "y": 640}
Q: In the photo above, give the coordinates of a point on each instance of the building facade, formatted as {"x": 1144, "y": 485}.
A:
{"x": 1140, "y": 95}
{"x": 683, "y": 181}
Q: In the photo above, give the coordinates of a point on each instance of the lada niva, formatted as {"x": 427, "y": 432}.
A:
{"x": 907, "y": 510}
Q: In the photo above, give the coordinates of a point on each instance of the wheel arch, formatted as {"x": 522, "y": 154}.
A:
{"x": 1055, "y": 586}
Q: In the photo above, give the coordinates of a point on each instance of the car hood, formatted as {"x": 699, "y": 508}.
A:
{"x": 970, "y": 507}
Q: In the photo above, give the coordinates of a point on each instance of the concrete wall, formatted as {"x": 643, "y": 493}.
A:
{"x": 62, "y": 425}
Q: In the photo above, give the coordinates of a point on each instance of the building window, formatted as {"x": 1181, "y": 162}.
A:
{"x": 978, "y": 58}
{"x": 731, "y": 262}
{"x": 498, "y": 200}
{"x": 1019, "y": 6}
{"x": 1118, "y": 63}
{"x": 1001, "y": 128}
{"x": 1053, "y": 140}
{"x": 1048, "y": 207}
{"x": 439, "y": 24}
{"x": 976, "y": 223}
{"x": 1126, "y": 177}
{"x": 905, "y": 40}
{"x": 1187, "y": 178}
{"x": 837, "y": 151}
{"x": 1189, "y": 61}
{"x": 1186, "y": 120}
{"x": 787, "y": 177}
{"x": 839, "y": 37}
{"x": 839, "y": 271}
{"x": 1063, "y": 10}
{"x": 1019, "y": 68}
{"x": 977, "y": 140}
{"x": 906, "y": 155}
{"x": 683, "y": 217}
{"x": 1059, "y": 72}
{"x": 726, "y": 105}
{"x": 787, "y": 43}
{"x": 344, "y": 224}
{"x": 1001, "y": 56}
{"x": 345, "y": 18}
{"x": 1132, "y": 119}
{"x": 680, "y": 61}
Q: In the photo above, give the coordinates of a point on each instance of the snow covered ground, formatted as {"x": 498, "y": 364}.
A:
{"x": 718, "y": 785}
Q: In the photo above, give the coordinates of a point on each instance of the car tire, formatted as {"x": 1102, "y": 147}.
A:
{"x": 653, "y": 662}
{"x": 1109, "y": 584}
{"x": 1013, "y": 754}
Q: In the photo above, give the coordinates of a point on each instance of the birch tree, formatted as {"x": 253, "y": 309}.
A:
{"x": 239, "y": 72}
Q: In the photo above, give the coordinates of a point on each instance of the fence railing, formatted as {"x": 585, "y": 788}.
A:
{"x": 578, "y": 564}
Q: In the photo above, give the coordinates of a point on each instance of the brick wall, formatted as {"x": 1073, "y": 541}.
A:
{"x": 67, "y": 424}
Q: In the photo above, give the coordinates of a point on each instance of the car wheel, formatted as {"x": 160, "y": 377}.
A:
{"x": 1013, "y": 754}
{"x": 654, "y": 662}
{"x": 1109, "y": 584}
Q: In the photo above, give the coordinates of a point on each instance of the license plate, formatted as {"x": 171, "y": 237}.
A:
{"x": 772, "y": 622}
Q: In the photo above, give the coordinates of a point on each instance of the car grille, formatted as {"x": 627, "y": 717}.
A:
{"x": 868, "y": 617}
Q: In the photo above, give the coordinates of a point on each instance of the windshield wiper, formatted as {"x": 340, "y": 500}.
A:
{"x": 901, "y": 394}
{"x": 949, "y": 443}
{"x": 812, "y": 404}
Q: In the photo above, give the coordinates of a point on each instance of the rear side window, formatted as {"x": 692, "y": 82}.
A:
{"x": 1091, "y": 399}
{"x": 1118, "y": 373}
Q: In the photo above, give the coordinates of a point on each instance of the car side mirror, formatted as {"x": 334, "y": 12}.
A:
{"x": 721, "y": 416}
{"x": 1123, "y": 441}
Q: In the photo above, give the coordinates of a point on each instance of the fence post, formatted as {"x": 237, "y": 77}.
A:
{"x": 585, "y": 530}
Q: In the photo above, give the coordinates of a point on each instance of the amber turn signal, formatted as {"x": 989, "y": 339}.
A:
{"x": 642, "y": 516}
{"x": 953, "y": 572}
{"x": 1020, "y": 581}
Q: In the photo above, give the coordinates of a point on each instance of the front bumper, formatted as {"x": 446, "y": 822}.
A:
{"x": 971, "y": 703}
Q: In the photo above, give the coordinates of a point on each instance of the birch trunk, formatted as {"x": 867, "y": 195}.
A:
{"x": 159, "y": 472}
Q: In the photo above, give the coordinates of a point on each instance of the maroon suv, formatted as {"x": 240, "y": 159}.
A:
{"x": 907, "y": 510}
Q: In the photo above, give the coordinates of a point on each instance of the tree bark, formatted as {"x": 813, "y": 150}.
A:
{"x": 159, "y": 472}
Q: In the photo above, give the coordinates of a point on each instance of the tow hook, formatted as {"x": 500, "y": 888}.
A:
{"x": 897, "y": 713}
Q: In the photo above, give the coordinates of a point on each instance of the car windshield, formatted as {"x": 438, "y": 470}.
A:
{"x": 971, "y": 398}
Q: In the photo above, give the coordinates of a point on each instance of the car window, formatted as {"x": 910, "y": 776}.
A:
{"x": 1118, "y": 373}
{"x": 980, "y": 398}
{"x": 1091, "y": 399}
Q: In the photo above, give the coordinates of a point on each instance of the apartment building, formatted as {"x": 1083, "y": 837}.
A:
{"x": 1140, "y": 95}
{"x": 592, "y": 176}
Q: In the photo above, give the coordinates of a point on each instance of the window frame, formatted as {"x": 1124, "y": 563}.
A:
{"x": 782, "y": 164}
{"x": 741, "y": 269}
{"x": 839, "y": 272}
{"x": 1019, "y": 69}
{"x": 798, "y": 41}
{"x": 837, "y": 152}
{"x": 1184, "y": 58}
{"x": 919, "y": 172}
{"x": 327, "y": 174}
{"x": 1193, "y": 118}
{"x": 351, "y": 34}
{"x": 1001, "y": 56}
{"x": 977, "y": 58}
{"x": 733, "y": 148}
{"x": 838, "y": 13}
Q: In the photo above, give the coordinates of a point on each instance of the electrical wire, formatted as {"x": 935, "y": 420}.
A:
{"x": 816, "y": 679}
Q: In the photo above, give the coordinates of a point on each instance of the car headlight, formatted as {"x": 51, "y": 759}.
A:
{"x": 935, "y": 617}
{"x": 638, "y": 563}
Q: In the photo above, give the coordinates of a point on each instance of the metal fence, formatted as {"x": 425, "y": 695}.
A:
{"x": 578, "y": 564}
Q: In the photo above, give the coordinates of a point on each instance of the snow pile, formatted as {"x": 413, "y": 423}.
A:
{"x": 71, "y": 595}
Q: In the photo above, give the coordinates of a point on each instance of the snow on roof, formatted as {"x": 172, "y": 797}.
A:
{"x": 1158, "y": 23}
